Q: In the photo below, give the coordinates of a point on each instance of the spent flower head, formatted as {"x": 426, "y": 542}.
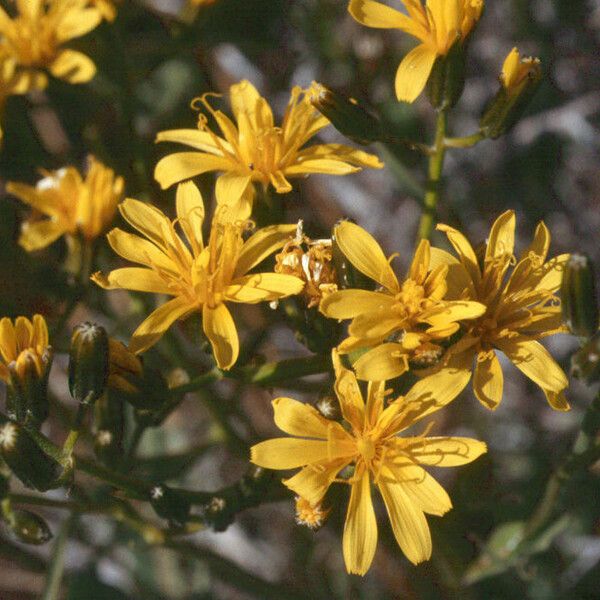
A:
{"x": 254, "y": 150}
{"x": 198, "y": 277}
{"x": 371, "y": 447}
{"x": 438, "y": 25}
{"x": 73, "y": 205}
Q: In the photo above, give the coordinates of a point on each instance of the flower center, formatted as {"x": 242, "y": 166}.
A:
{"x": 410, "y": 298}
{"x": 366, "y": 448}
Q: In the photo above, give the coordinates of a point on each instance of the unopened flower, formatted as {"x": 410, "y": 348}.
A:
{"x": 521, "y": 308}
{"x": 371, "y": 446}
{"x": 199, "y": 278}
{"x": 255, "y": 150}
{"x": 72, "y": 205}
{"x": 438, "y": 25}
{"x": 311, "y": 261}
{"x": 401, "y": 321}
{"x": 35, "y": 36}
{"x": 517, "y": 70}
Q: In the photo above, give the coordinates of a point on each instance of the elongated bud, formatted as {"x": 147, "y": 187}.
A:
{"x": 578, "y": 296}
{"x": 88, "y": 362}
{"x": 170, "y": 505}
{"x": 346, "y": 115}
{"x": 25, "y": 458}
{"x": 447, "y": 80}
{"x": 109, "y": 428}
{"x": 27, "y": 527}
{"x": 519, "y": 81}
{"x": 585, "y": 363}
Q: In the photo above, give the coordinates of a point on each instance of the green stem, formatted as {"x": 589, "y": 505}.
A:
{"x": 57, "y": 563}
{"x": 436, "y": 165}
{"x": 464, "y": 142}
{"x": 585, "y": 452}
{"x": 75, "y": 432}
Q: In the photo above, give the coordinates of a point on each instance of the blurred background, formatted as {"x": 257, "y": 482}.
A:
{"x": 151, "y": 63}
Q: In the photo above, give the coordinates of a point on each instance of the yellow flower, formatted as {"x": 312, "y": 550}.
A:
{"x": 522, "y": 307}
{"x": 72, "y": 204}
{"x": 516, "y": 70}
{"x": 438, "y": 26}
{"x": 199, "y": 278}
{"x": 107, "y": 9}
{"x": 256, "y": 150}
{"x": 399, "y": 322}
{"x": 23, "y": 345}
{"x": 35, "y": 36}
{"x": 370, "y": 444}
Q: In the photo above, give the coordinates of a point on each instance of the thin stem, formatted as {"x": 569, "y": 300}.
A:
{"x": 585, "y": 452}
{"x": 464, "y": 142}
{"x": 75, "y": 432}
{"x": 57, "y": 562}
{"x": 436, "y": 165}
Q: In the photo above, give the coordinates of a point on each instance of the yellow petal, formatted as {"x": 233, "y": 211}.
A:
{"x": 313, "y": 481}
{"x": 44, "y": 202}
{"x": 75, "y": 23}
{"x": 185, "y": 165}
{"x": 190, "y": 212}
{"x": 349, "y": 394}
{"x": 502, "y": 236}
{"x": 147, "y": 219}
{"x": 246, "y": 101}
{"x": 420, "y": 262}
{"x": 455, "y": 310}
{"x": 552, "y": 273}
{"x": 260, "y": 287}
{"x": 297, "y": 418}
{"x": 23, "y": 333}
{"x": 280, "y": 183}
{"x": 133, "y": 278}
{"x": 374, "y": 325}
{"x": 39, "y": 234}
{"x": 541, "y": 242}
{"x": 261, "y": 244}
{"x": 288, "y": 453}
{"x": 230, "y": 187}
{"x": 8, "y": 341}
{"x": 385, "y": 361}
{"x": 557, "y": 400}
{"x": 219, "y": 328}
{"x": 73, "y": 67}
{"x": 423, "y": 490}
{"x": 347, "y": 154}
{"x": 361, "y": 249}
{"x": 199, "y": 140}
{"x": 136, "y": 249}
{"x": 347, "y": 304}
{"x": 380, "y": 16}
{"x": 40, "y": 331}
{"x": 534, "y": 361}
{"x": 328, "y": 166}
{"x": 408, "y": 522}
{"x": 443, "y": 451}
{"x": 460, "y": 284}
{"x": 360, "y": 530}
{"x": 464, "y": 249}
{"x": 155, "y": 325}
{"x": 413, "y": 72}
{"x": 488, "y": 380}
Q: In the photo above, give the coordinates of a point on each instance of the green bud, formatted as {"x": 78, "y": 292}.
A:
{"x": 346, "y": 115}
{"x": 25, "y": 458}
{"x": 578, "y": 296}
{"x": 518, "y": 83}
{"x": 27, "y": 527}
{"x": 585, "y": 363}
{"x": 109, "y": 428}
{"x": 88, "y": 362}
{"x": 170, "y": 505}
{"x": 447, "y": 80}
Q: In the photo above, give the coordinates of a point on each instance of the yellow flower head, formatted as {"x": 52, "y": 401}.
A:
{"x": 23, "y": 346}
{"x": 521, "y": 307}
{"x": 311, "y": 261}
{"x": 199, "y": 278}
{"x": 371, "y": 446}
{"x": 438, "y": 25}
{"x": 516, "y": 70}
{"x": 256, "y": 150}
{"x": 72, "y": 204}
{"x": 400, "y": 321}
{"x": 35, "y": 36}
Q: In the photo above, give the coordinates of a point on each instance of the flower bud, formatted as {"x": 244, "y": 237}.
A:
{"x": 27, "y": 527}
{"x": 170, "y": 505}
{"x": 447, "y": 80}
{"x": 88, "y": 362}
{"x": 25, "y": 362}
{"x": 519, "y": 81}
{"x": 578, "y": 296}
{"x": 25, "y": 458}
{"x": 346, "y": 115}
{"x": 109, "y": 428}
{"x": 585, "y": 363}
